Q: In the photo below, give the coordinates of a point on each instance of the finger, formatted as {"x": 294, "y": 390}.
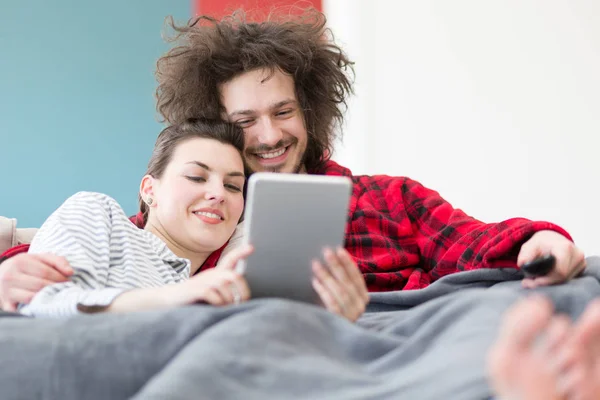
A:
{"x": 336, "y": 268}
{"x": 345, "y": 289}
{"x": 357, "y": 293}
{"x": 349, "y": 264}
{"x": 527, "y": 283}
{"x": 39, "y": 269}
{"x": 542, "y": 281}
{"x": 529, "y": 252}
{"x": 57, "y": 262}
{"x": 231, "y": 260}
{"x": 9, "y": 307}
{"x": 225, "y": 291}
{"x": 344, "y": 302}
{"x": 578, "y": 269}
{"x": 326, "y": 297}
{"x": 564, "y": 262}
{"x": 17, "y": 295}
{"x": 31, "y": 283}
{"x": 329, "y": 282}
{"x": 354, "y": 274}
{"x": 212, "y": 296}
{"x": 243, "y": 289}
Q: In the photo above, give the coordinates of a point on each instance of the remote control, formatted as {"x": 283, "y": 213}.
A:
{"x": 539, "y": 267}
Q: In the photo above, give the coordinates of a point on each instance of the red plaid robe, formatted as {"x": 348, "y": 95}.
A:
{"x": 404, "y": 236}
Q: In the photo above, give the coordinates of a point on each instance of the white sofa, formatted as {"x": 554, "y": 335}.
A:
{"x": 11, "y": 236}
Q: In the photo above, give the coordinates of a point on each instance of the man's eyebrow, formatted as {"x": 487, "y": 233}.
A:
{"x": 206, "y": 167}
{"x": 241, "y": 112}
{"x": 275, "y": 106}
{"x": 282, "y": 103}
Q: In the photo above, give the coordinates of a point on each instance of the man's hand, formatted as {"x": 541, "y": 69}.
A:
{"x": 23, "y": 275}
{"x": 341, "y": 286}
{"x": 570, "y": 260}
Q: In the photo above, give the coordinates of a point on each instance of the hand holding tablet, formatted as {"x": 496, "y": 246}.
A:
{"x": 291, "y": 220}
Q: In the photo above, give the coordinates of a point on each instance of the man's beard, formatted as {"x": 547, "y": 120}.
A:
{"x": 298, "y": 168}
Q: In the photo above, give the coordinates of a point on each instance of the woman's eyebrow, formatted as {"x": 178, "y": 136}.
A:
{"x": 206, "y": 167}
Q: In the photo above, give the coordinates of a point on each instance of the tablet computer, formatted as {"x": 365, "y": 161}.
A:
{"x": 289, "y": 220}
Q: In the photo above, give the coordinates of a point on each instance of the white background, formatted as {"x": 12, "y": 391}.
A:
{"x": 495, "y": 104}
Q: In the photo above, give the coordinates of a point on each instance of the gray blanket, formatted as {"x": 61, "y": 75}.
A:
{"x": 426, "y": 344}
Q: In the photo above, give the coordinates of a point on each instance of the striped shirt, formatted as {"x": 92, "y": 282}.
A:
{"x": 108, "y": 253}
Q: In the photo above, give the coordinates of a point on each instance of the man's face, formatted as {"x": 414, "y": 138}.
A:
{"x": 264, "y": 104}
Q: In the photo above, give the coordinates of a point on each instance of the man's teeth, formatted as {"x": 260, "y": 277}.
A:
{"x": 272, "y": 154}
{"x": 208, "y": 214}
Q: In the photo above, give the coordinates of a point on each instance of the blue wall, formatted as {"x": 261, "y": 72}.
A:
{"x": 77, "y": 99}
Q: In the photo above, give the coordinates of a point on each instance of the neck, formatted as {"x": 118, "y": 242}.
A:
{"x": 196, "y": 258}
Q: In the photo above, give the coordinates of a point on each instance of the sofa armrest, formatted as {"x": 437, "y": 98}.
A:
{"x": 11, "y": 236}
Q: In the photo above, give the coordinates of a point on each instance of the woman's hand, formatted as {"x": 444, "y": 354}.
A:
{"x": 217, "y": 286}
{"x": 340, "y": 286}
{"x": 223, "y": 285}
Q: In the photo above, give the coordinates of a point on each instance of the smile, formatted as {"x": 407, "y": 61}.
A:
{"x": 273, "y": 157}
{"x": 209, "y": 214}
{"x": 273, "y": 154}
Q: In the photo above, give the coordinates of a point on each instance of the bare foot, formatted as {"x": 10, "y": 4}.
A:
{"x": 579, "y": 358}
{"x": 520, "y": 364}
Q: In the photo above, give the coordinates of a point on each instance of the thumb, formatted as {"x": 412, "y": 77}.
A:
{"x": 239, "y": 253}
{"x": 529, "y": 252}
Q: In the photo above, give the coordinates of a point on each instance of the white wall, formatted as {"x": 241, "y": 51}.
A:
{"x": 495, "y": 104}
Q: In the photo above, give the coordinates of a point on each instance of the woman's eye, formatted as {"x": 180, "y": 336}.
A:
{"x": 196, "y": 178}
{"x": 233, "y": 188}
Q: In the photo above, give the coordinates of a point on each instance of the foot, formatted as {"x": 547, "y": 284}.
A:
{"x": 518, "y": 362}
{"x": 541, "y": 356}
{"x": 580, "y": 357}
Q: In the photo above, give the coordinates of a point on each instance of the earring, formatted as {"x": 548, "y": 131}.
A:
{"x": 149, "y": 201}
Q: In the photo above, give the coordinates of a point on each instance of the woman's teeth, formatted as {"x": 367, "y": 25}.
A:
{"x": 208, "y": 214}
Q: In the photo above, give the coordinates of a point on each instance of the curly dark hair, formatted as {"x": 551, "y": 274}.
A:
{"x": 211, "y": 52}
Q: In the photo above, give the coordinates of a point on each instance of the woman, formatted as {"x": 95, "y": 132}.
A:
{"x": 192, "y": 200}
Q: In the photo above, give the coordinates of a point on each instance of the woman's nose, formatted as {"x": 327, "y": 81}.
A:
{"x": 215, "y": 192}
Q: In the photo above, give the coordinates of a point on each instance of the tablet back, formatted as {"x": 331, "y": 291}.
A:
{"x": 290, "y": 219}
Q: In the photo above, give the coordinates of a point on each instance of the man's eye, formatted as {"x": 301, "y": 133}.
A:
{"x": 245, "y": 122}
{"x": 196, "y": 178}
{"x": 284, "y": 112}
{"x": 233, "y": 188}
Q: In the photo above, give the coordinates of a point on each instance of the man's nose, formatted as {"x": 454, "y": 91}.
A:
{"x": 270, "y": 134}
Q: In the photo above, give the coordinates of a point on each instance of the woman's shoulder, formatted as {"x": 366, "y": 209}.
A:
{"x": 93, "y": 203}
{"x": 91, "y": 198}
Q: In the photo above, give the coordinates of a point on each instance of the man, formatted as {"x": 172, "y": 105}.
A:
{"x": 285, "y": 83}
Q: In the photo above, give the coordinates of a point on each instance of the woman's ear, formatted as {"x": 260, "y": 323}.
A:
{"x": 147, "y": 187}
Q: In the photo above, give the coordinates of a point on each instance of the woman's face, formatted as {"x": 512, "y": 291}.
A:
{"x": 198, "y": 201}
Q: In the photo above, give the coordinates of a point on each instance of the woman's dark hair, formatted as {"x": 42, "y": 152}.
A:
{"x": 209, "y": 53}
{"x": 172, "y": 136}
